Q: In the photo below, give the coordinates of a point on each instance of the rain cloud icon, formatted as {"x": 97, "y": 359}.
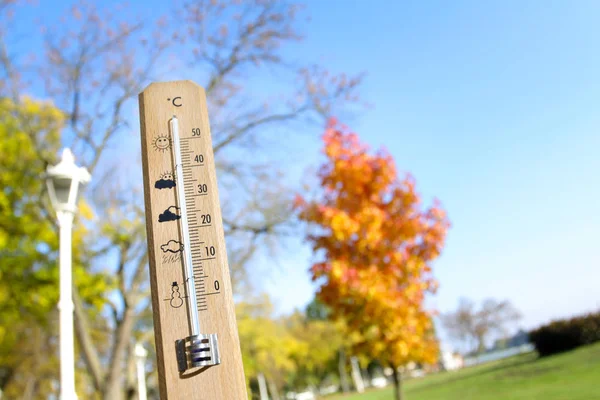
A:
{"x": 172, "y": 246}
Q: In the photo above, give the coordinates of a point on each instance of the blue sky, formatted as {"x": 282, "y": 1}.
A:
{"x": 493, "y": 107}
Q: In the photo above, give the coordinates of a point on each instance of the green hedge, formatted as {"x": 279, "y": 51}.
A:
{"x": 566, "y": 334}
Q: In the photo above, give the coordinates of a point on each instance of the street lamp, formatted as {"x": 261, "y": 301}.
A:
{"x": 141, "y": 353}
{"x": 63, "y": 182}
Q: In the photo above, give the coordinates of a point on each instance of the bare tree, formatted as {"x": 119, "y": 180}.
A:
{"x": 475, "y": 326}
{"x": 93, "y": 69}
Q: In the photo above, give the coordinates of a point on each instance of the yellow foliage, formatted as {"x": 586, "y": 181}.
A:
{"x": 266, "y": 345}
{"x": 29, "y": 141}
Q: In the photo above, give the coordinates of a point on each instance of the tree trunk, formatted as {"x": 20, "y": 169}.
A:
{"x": 397, "y": 383}
{"x": 114, "y": 379}
{"x": 29, "y": 388}
{"x": 344, "y": 381}
{"x": 262, "y": 387}
{"x": 356, "y": 375}
{"x": 86, "y": 344}
{"x": 273, "y": 389}
{"x": 480, "y": 344}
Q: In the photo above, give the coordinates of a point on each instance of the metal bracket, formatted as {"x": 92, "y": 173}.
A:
{"x": 197, "y": 351}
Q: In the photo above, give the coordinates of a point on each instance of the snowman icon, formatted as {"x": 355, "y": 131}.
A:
{"x": 176, "y": 301}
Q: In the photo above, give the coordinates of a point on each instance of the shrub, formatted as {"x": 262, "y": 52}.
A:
{"x": 566, "y": 334}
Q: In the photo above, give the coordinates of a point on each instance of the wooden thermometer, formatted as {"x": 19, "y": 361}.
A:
{"x": 196, "y": 333}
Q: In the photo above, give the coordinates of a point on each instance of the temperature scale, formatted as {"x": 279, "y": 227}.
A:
{"x": 196, "y": 333}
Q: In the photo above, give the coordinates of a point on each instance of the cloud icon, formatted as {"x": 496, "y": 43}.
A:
{"x": 172, "y": 246}
{"x": 169, "y": 215}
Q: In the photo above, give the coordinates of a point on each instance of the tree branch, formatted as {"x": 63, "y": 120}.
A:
{"x": 90, "y": 354}
{"x": 241, "y": 131}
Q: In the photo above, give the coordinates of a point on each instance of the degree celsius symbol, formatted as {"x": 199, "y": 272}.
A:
{"x": 176, "y": 101}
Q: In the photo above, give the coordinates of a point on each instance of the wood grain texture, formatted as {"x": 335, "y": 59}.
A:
{"x": 159, "y": 102}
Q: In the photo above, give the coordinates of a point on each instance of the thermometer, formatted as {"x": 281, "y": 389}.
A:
{"x": 198, "y": 351}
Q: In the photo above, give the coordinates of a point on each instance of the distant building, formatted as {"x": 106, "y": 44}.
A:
{"x": 451, "y": 361}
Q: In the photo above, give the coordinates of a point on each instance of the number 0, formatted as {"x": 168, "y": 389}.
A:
{"x": 217, "y": 286}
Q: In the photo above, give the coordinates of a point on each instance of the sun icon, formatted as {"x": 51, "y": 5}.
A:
{"x": 162, "y": 143}
{"x": 165, "y": 181}
{"x": 168, "y": 176}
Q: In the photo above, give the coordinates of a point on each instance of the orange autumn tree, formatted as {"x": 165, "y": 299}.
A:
{"x": 377, "y": 244}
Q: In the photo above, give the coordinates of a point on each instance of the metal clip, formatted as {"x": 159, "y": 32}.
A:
{"x": 197, "y": 351}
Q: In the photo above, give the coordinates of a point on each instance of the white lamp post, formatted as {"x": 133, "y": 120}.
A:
{"x": 63, "y": 182}
{"x": 141, "y": 353}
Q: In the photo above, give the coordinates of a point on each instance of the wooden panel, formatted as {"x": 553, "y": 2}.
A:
{"x": 159, "y": 102}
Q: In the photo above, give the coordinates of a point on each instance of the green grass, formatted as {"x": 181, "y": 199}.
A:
{"x": 569, "y": 376}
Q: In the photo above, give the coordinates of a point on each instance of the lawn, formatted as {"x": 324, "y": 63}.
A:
{"x": 570, "y": 376}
